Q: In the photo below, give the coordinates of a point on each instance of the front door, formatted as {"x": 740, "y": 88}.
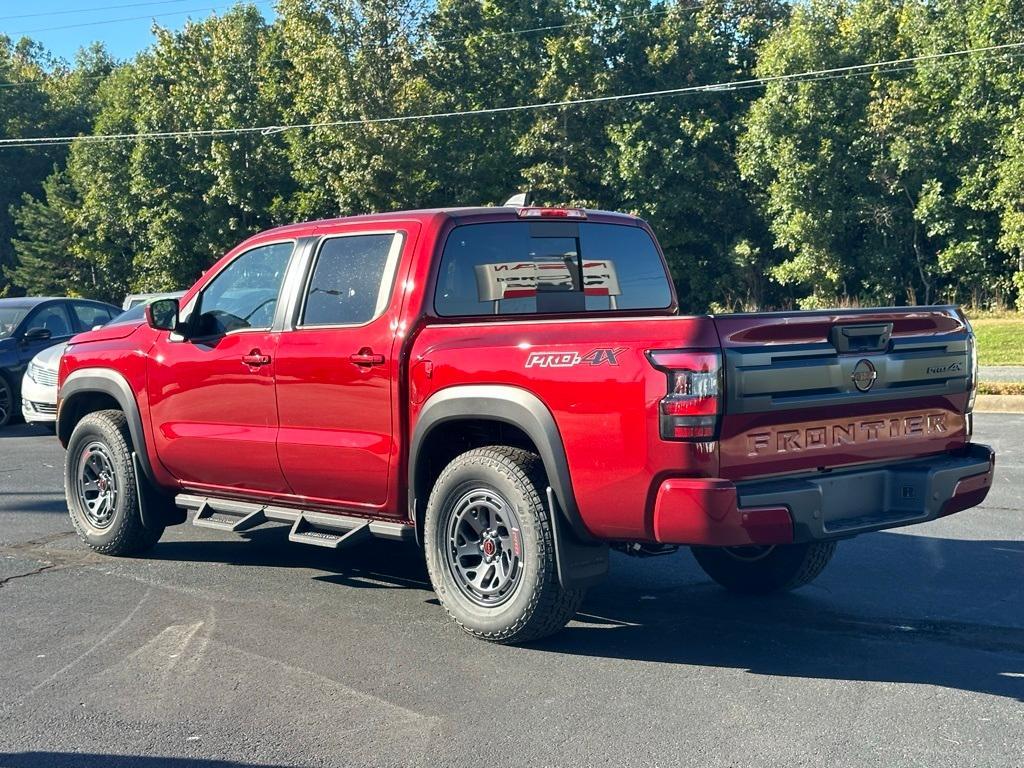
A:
{"x": 54, "y": 318}
{"x": 212, "y": 394}
{"x": 336, "y": 372}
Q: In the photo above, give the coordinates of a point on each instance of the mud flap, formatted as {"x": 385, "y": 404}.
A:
{"x": 579, "y": 564}
{"x": 155, "y": 509}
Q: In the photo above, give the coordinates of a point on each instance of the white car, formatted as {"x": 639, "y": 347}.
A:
{"x": 135, "y": 299}
{"x": 39, "y": 386}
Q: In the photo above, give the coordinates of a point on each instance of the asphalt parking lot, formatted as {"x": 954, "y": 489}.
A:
{"x": 222, "y": 650}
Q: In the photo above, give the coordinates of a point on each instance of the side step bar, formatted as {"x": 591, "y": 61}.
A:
{"x": 304, "y": 532}
{"x": 228, "y": 520}
{"x": 321, "y": 529}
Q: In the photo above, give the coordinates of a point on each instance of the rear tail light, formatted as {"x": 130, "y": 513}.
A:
{"x": 692, "y": 404}
{"x": 972, "y": 384}
{"x": 552, "y": 213}
{"x": 972, "y": 365}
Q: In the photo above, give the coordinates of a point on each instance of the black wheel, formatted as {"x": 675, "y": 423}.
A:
{"x": 99, "y": 482}
{"x": 762, "y": 570}
{"x": 9, "y": 407}
{"x": 490, "y": 549}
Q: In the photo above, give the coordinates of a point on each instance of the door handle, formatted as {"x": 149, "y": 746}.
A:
{"x": 255, "y": 359}
{"x": 366, "y": 356}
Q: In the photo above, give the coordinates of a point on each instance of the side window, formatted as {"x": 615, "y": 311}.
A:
{"x": 90, "y": 315}
{"x": 243, "y": 295}
{"x": 351, "y": 280}
{"x": 53, "y": 318}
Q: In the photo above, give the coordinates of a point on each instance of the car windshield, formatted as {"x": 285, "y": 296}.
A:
{"x": 133, "y": 315}
{"x": 10, "y": 318}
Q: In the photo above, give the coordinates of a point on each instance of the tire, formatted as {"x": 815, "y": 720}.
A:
{"x": 524, "y": 600}
{"x": 10, "y": 406}
{"x": 763, "y": 570}
{"x": 100, "y": 486}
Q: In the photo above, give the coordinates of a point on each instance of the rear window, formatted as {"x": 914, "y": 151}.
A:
{"x": 522, "y": 268}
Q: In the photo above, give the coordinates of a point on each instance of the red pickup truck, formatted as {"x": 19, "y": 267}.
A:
{"x": 515, "y": 390}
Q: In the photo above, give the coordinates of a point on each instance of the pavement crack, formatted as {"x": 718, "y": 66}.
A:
{"x": 34, "y": 572}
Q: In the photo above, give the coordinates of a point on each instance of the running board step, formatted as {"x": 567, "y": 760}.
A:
{"x": 304, "y": 532}
{"x": 322, "y": 529}
{"x": 223, "y": 519}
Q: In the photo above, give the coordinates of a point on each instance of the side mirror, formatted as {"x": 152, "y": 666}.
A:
{"x": 37, "y": 334}
{"x": 162, "y": 314}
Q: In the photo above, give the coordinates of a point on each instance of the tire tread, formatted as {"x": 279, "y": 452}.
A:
{"x": 551, "y": 606}
{"x": 132, "y": 537}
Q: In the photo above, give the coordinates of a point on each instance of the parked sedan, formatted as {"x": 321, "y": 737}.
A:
{"x": 30, "y": 325}
{"x": 39, "y": 385}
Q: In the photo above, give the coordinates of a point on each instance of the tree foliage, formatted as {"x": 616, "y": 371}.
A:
{"x": 892, "y": 187}
{"x": 900, "y": 185}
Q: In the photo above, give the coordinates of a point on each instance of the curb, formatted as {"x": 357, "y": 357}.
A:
{"x": 999, "y": 404}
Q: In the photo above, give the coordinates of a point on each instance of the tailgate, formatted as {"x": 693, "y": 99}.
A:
{"x": 812, "y": 390}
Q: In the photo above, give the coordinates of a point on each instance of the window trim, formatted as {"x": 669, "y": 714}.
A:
{"x": 592, "y": 314}
{"x": 196, "y": 301}
{"x": 398, "y": 239}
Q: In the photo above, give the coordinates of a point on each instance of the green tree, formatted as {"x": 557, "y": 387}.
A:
{"x": 47, "y": 259}
{"x": 26, "y": 110}
{"x": 354, "y": 61}
{"x": 673, "y": 159}
{"x": 483, "y": 55}
{"x": 158, "y": 212}
{"x": 882, "y": 188}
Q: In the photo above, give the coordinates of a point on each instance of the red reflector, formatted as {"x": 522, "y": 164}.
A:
{"x": 689, "y": 406}
{"x": 682, "y": 431}
{"x": 552, "y": 213}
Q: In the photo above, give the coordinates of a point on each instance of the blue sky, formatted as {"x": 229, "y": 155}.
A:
{"x": 64, "y": 26}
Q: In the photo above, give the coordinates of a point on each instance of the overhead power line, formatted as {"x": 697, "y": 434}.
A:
{"x": 101, "y": 22}
{"x": 435, "y": 41}
{"x": 88, "y": 9}
{"x": 819, "y": 74}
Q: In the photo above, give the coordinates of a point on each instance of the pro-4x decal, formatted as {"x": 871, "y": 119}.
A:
{"x": 597, "y": 356}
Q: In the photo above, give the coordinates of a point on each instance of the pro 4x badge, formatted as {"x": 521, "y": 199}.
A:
{"x": 598, "y": 356}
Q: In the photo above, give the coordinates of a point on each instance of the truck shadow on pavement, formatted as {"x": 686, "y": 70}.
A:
{"x": 890, "y": 607}
{"x": 372, "y": 565}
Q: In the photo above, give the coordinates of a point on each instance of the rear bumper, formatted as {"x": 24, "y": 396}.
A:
{"x": 824, "y": 506}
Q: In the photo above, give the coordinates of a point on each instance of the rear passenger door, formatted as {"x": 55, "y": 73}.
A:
{"x": 336, "y": 372}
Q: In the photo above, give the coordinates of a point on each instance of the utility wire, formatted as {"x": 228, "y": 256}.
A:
{"x": 437, "y": 41}
{"x": 811, "y": 75}
{"x": 139, "y": 18}
{"x": 89, "y": 9}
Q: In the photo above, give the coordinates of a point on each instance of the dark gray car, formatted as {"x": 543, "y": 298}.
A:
{"x": 30, "y": 325}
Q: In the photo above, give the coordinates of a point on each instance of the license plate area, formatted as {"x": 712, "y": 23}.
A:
{"x": 877, "y": 498}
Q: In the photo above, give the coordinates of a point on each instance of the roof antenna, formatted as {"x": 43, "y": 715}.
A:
{"x": 521, "y": 200}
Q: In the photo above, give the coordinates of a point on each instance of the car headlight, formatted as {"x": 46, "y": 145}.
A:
{"x": 33, "y": 372}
